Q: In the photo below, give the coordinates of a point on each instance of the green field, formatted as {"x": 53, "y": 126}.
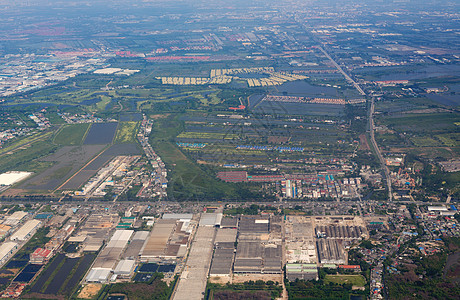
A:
{"x": 186, "y": 180}
{"x": 355, "y": 280}
{"x": 71, "y": 135}
{"x": 126, "y": 132}
{"x": 423, "y": 123}
{"x": 24, "y": 142}
{"x": 450, "y": 139}
{"x": 207, "y": 135}
{"x": 425, "y": 141}
{"x": 103, "y": 103}
{"x": 21, "y": 159}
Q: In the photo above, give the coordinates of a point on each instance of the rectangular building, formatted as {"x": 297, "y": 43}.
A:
{"x": 6, "y": 250}
{"x": 26, "y": 231}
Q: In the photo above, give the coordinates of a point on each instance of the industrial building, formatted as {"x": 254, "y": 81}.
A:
{"x": 331, "y": 251}
{"x": 15, "y": 218}
{"x": 301, "y": 272}
{"x": 99, "y": 275}
{"x": 135, "y": 246}
{"x": 248, "y": 257}
{"x": 40, "y": 256}
{"x": 158, "y": 240}
{"x": 183, "y": 217}
{"x": 108, "y": 257}
{"x": 105, "y": 262}
{"x": 222, "y": 260}
{"x": 300, "y": 240}
{"x": 6, "y": 250}
{"x": 259, "y": 245}
{"x": 125, "y": 268}
{"x": 96, "y": 231}
{"x": 226, "y": 235}
{"x": 211, "y": 219}
{"x": 254, "y": 225}
{"x": 26, "y": 230}
{"x": 340, "y": 232}
{"x": 229, "y": 222}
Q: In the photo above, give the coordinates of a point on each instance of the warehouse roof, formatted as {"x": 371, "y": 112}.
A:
{"x": 98, "y": 275}
{"x": 125, "y": 267}
{"x": 6, "y": 248}
{"x": 210, "y": 219}
{"x": 25, "y": 230}
{"x": 178, "y": 216}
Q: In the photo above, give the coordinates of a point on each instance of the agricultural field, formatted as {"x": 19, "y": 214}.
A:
{"x": 450, "y": 139}
{"x": 101, "y": 133}
{"x": 25, "y": 142}
{"x": 254, "y": 140}
{"x": 71, "y": 134}
{"x": 66, "y": 161}
{"x": 425, "y": 141}
{"x": 126, "y": 132}
{"x": 187, "y": 180}
{"x": 24, "y": 158}
{"x": 98, "y": 160}
{"x": 427, "y": 132}
{"x": 422, "y": 123}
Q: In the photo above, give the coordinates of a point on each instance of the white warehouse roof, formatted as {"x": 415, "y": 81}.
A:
{"x": 141, "y": 235}
{"x": 437, "y": 208}
{"x": 5, "y": 249}
{"x": 98, "y": 275}
{"x": 178, "y": 216}
{"x": 120, "y": 238}
{"x": 15, "y": 218}
{"x": 10, "y": 178}
{"x": 210, "y": 219}
{"x": 125, "y": 267}
{"x": 25, "y": 230}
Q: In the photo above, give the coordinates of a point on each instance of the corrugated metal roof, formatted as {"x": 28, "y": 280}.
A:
{"x": 6, "y": 248}
{"x": 25, "y": 230}
{"x": 210, "y": 219}
{"x": 125, "y": 266}
{"x": 141, "y": 235}
{"x": 98, "y": 275}
{"x": 177, "y": 216}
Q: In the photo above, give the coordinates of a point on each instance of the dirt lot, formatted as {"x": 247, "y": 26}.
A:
{"x": 254, "y": 277}
{"x": 90, "y": 290}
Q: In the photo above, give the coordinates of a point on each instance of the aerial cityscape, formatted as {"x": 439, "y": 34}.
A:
{"x": 217, "y": 150}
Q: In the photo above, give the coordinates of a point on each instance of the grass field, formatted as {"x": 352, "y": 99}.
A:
{"x": 450, "y": 139}
{"x": 40, "y": 136}
{"x": 71, "y": 134}
{"x": 20, "y": 159}
{"x": 187, "y": 180}
{"x": 126, "y": 132}
{"x": 424, "y": 123}
{"x": 355, "y": 280}
{"x": 208, "y": 135}
{"x": 103, "y": 103}
{"x": 425, "y": 141}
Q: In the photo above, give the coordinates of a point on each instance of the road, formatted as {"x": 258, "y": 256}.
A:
{"x": 339, "y": 68}
{"x": 371, "y": 123}
{"x": 377, "y": 150}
